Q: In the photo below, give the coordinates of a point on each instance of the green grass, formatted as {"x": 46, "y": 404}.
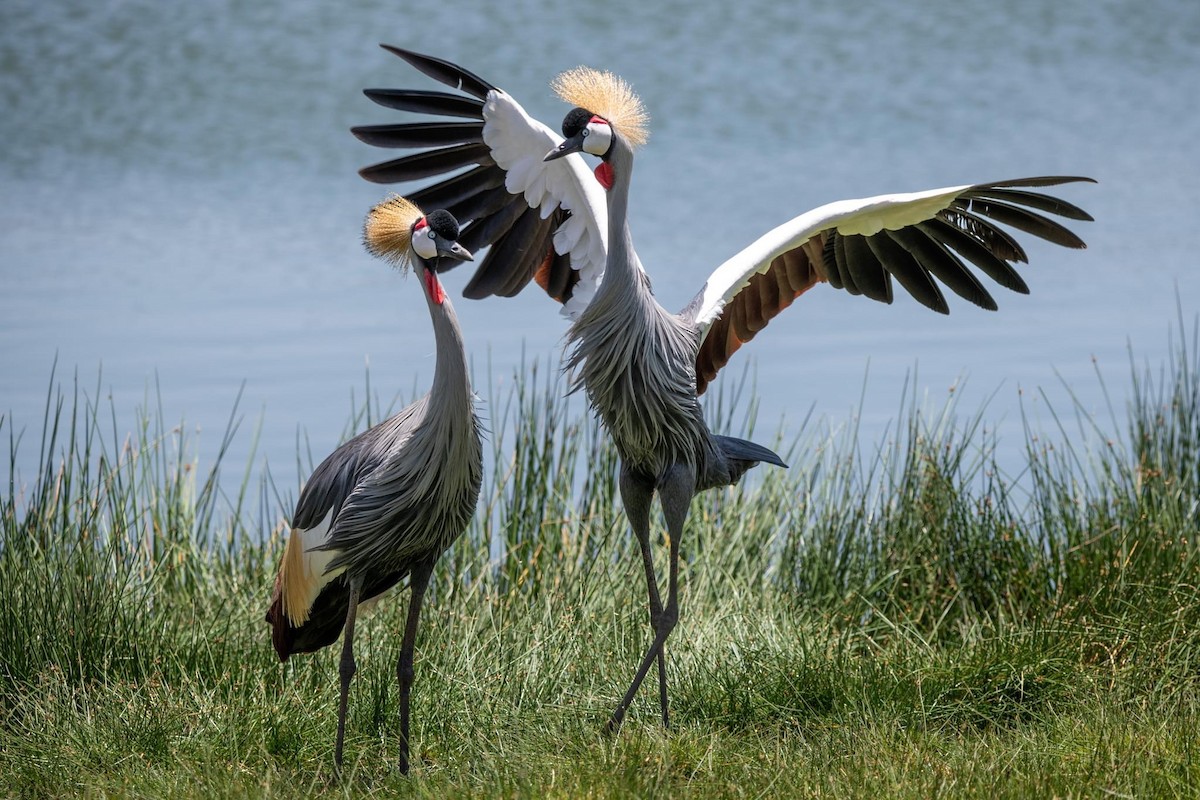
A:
{"x": 906, "y": 622}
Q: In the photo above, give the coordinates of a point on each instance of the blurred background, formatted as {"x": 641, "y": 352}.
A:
{"x": 180, "y": 214}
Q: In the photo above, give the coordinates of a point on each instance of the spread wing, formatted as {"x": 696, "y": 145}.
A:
{"x": 544, "y": 221}
{"x": 921, "y": 239}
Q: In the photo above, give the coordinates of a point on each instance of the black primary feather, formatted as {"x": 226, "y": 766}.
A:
{"x": 945, "y": 267}
{"x": 418, "y": 101}
{"x": 975, "y": 251}
{"x": 419, "y": 134}
{"x": 904, "y": 268}
{"x": 444, "y": 72}
{"x": 481, "y": 204}
{"x": 459, "y": 187}
{"x": 868, "y": 272}
{"x": 428, "y": 164}
{"x": 485, "y": 230}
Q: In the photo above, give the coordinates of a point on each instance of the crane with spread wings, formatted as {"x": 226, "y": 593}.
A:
{"x": 526, "y": 192}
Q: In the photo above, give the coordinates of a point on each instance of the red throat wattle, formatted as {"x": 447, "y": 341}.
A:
{"x": 604, "y": 174}
{"x": 435, "y": 287}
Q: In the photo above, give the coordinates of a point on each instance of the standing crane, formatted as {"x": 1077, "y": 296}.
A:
{"x": 529, "y": 196}
{"x": 386, "y": 504}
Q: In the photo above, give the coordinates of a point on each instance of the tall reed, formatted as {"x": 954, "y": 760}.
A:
{"x": 910, "y": 580}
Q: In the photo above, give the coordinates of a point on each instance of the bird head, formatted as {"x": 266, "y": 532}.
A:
{"x": 606, "y": 109}
{"x": 397, "y": 231}
{"x": 584, "y": 132}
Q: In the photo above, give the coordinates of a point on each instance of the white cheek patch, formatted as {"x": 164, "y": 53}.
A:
{"x": 424, "y": 242}
{"x": 598, "y": 139}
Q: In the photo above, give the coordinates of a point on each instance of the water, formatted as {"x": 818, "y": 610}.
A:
{"x": 179, "y": 205}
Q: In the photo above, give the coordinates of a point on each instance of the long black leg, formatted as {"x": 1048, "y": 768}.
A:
{"x": 418, "y": 581}
{"x": 675, "y": 493}
{"x": 636, "y": 496}
{"x": 347, "y": 667}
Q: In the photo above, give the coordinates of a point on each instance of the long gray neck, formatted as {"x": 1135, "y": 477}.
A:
{"x": 451, "y": 389}
{"x": 622, "y": 273}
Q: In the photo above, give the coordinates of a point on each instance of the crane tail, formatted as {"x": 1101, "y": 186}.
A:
{"x": 321, "y": 628}
{"x": 742, "y": 455}
{"x": 326, "y": 615}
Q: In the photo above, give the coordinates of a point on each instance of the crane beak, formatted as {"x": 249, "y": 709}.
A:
{"x": 572, "y": 145}
{"x": 454, "y": 251}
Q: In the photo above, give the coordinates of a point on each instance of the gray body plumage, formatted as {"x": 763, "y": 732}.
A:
{"x": 414, "y": 491}
{"x": 398, "y": 494}
{"x": 634, "y": 361}
{"x": 637, "y": 363}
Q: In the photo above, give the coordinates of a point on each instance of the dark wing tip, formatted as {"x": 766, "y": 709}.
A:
{"x": 376, "y": 173}
{"x": 1041, "y": 180}
{"x": 419, "y": 134}
{"x": 369, "y": 174}
{"x": 443, "y": 71}
{"x": 425, "y": 101}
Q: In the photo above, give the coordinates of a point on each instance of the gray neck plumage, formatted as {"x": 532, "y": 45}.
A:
{"x": 623, "y": 274}
{"x": 451, "y": 382}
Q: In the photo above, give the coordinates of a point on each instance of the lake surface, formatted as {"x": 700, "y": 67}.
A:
{"x": 179, "y": 206}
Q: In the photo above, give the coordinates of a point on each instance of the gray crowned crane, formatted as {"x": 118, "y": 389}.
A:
{"x": 386, "y": 504}
{"x": 528, "y": 194}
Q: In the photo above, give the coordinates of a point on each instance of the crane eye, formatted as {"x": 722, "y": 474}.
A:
{"x": 597, "y": 137}
{"x": 424, "y": 243}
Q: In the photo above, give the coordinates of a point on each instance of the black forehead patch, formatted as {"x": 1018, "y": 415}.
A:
{"x": 575, "y": 121}
{"x": 444, "y": 224}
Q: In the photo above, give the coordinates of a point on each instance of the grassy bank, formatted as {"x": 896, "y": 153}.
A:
{"x": 899, "y": 622}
